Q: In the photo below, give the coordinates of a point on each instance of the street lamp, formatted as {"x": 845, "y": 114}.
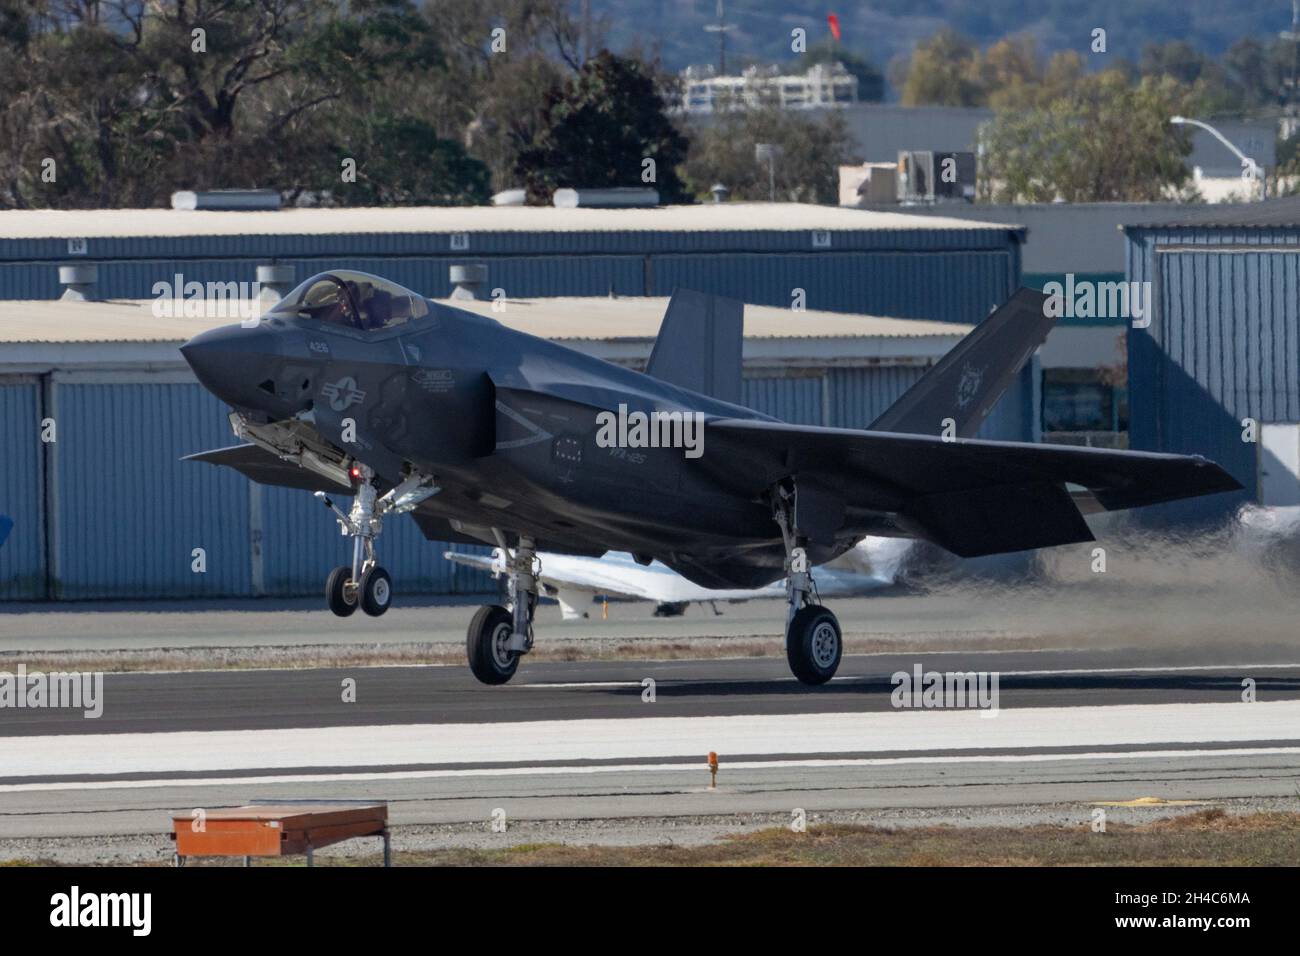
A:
{"x": 1249, "y": 168}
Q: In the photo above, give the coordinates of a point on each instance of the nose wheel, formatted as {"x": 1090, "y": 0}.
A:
{"x": 340, "y": 594}
{"x": 375, "y": 590}
{"x": 373, "y": 593}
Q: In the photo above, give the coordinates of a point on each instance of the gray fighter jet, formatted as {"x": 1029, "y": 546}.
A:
{"x": 353, "y": 385}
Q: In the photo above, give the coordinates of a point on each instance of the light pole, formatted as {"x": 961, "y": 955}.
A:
{"x": 1249, "y": 168}
{"x": 768, "y": 152}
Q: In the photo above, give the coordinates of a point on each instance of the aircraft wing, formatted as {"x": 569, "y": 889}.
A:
{"x": 266, "y": 469}
{"x": 970, "y": 497}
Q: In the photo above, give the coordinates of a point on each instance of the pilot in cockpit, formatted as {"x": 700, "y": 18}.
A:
{"x": 354, "y": 300}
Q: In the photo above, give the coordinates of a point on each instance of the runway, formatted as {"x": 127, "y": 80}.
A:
{"x": 582, "y": 741}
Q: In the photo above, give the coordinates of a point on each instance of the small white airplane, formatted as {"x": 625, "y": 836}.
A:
{"x": 576, "y": 582}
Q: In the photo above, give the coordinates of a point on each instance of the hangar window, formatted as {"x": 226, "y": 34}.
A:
{"x": 355, "y": 299}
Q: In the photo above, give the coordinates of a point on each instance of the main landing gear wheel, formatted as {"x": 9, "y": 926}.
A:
{"x": 487, "y": 643}
{"x": 813, "y": 644}
{"x": 339, "y": 593}
{"x": 376, "y": 591}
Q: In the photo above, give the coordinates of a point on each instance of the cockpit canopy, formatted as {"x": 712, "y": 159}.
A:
{"x": 354, "y": 299}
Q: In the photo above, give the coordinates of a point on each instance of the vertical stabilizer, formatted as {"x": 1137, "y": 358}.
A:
{"x": 967, "y": 382}
{"x": 699, "y": 345}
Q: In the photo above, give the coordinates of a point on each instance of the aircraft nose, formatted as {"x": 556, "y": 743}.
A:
{"x": 230, "y": 361}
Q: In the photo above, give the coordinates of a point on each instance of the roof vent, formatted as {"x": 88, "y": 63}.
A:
{"x": 273, "y": 281}
{"x": 79, "y": 282}
{"x": 720, "y": 192}
{"x": 618, "y": 197}
{"x": 467, "y": 280}
{"x": 227, "y": 199}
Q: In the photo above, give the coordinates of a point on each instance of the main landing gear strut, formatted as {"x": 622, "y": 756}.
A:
{"x": 813, "y": 643}
{"x": 498, "y": 636}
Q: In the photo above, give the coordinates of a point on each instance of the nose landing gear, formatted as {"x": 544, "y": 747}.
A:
{"x": 365, "y": 584}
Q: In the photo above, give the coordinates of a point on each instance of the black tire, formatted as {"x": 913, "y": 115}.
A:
{"x": 334, "y": 596}
{"x": 488, "y": 632}
{"x": 814, "y": 645}
{"x": 376, "y": 591}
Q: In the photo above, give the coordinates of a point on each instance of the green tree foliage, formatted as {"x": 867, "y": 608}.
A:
{"x": 944, "y": 71}
{"x": 949, "y": 69}
{"x": 1104, "y": 140}
{"x": 119, "y": 104}
{"x": 810, "y": 148}
{"x": 597, "y": 130}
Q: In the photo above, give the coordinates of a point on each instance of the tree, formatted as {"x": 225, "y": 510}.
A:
{"x": 949, "y": 70}
{"x": 811, "y": 148}
{"x": 941, "y": 72}
{"x": 1106, "y": 140}
{"x": 493, "y": 101}
{"x": 1008, "y": 68}
{"x": 599, "y": 128}
{"x": 120, "y": 103}
{"x": 871, "y": 82}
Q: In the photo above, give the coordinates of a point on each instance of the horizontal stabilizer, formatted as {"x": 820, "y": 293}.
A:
{"x": 699, "y": 345}
{"x": 967, "y": 383}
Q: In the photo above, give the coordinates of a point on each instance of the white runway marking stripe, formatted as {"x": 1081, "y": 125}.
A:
{"x": 430, "y": 745}
{"x": 731, "y": 766}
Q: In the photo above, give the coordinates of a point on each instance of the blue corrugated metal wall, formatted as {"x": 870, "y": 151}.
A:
{"x": 22, "y": 555}
{"x": 520, "y": 277}
{"x": 946, "y": 287}
{"x": 860, "y": 395}
{"x": 950, "y": 274}
{"x": 42, "y": 253}
{"x": 950, "y": 287}
{"x": 130, "y": 512}
{"x": 791, "y": 399}
{"x": 855, "y": 397}
{"x": 1223, "y": 345}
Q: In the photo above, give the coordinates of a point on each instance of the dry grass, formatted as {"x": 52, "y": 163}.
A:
{"x": 1202, "y": 838}
{"x": 1209, "y": 837}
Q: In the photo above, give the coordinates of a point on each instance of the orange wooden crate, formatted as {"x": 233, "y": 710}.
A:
{"x": 276, "y": 829}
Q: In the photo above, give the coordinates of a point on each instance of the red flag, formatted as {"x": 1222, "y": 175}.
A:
{"x": 834, "y": 21}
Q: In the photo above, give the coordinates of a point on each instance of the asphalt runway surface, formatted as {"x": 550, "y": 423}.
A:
{"x": 580, "y": 741}
{"x": 1107, "y": 715}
